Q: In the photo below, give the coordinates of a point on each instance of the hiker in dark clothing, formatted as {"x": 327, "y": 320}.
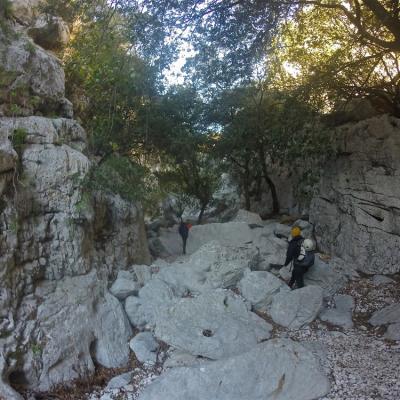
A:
{"x": 293, "y": 250}
{"x": 302, "y": 263}
{"x": 184, "y": 232}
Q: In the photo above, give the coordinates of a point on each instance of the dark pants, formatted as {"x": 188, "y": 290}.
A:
{"x": 184, "y": 239}
{"x": 297, "y": 276}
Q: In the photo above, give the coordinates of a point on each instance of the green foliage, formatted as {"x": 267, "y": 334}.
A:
{"x": 106, "y": 81}
{"x": 263, "y": 130}
{"x": 36, "y": 349}
{"x": 5, "y": 9}
{"x": 119, "y": 175}
{"x": 18, "y": 139}
{"x": 14, "y": 225}
{"x": 84, "y": 203}
{"x": 30, "y": 47}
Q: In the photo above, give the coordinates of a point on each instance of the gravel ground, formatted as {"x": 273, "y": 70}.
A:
{"x": 361, "y": 363}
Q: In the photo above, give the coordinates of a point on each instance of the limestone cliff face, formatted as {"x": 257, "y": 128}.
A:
{"x": 357, "y": 209}
{"x": 59, "y": 243}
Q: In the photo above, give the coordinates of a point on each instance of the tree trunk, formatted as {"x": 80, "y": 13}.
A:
{"x": 275, "y": 201}
{"x": 246, "y": 186}
{"x": 200, "y": 217}
{"x": 258, "y": 195}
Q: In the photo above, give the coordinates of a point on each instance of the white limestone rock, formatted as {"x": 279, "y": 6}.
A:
{"x": 212, "y": 266}
{"x": 354, "y": 211}
{"x": 298, "y": 307}
{"x": 341, "y": 314}
{"x": 145, "y": 347}
{"x": 216, "y": 324}
{"x": 124, "y": 286}
{"x": 248, "y": 217}
{"x": 388, "y": 315}
{"x": 274, "y": 370}
{"x": 259, "y": 288}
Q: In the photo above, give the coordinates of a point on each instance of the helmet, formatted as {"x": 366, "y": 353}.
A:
{"x": 295, "y": 231}
{"x": 308, "y": 244}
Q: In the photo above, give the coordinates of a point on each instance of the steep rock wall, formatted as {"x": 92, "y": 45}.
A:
{"x": 60, "y": 244}
{"x": 356, "y": 212}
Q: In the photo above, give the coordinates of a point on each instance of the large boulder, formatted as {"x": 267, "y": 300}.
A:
{"x": 272, "y": 250}
{"x": 153, "y": 300}
{"x": 259, "y": 288}
{"x": 328, "y": 275}
{"x": 297, "y": 308}
{"x": 275, "y": 370}
{"x": 355, "y": 212}
{"x": 228, "y": 234}
{"x": 216, "y": 324}
{"x": 212, "y": 266}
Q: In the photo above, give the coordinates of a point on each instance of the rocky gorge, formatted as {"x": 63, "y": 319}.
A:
{"x": 80, "y": 290}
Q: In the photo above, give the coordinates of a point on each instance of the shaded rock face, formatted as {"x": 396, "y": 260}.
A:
{"x": 59, "y": 243}
{"x": 357, "y": 211}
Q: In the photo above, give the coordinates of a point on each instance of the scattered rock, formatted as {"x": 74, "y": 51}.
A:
{"x": 119, "y": 381}
{"x": 393, "y": 332}
{"x": 124, "y": 286}
{"x": 341, "y": 314}
{"x": 382, "y": 280}
{"x": 388, "y": 315}
{"x": 145, "y": 347}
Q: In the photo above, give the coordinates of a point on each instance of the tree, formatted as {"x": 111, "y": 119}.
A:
{"x": 231, "y": 38}
{"x": 261, "y": 129}
{"x": 177, "y": 130}
{"x": 321, "y": 57}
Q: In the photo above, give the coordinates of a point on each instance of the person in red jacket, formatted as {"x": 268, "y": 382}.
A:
{"x": 184, "y": 232}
